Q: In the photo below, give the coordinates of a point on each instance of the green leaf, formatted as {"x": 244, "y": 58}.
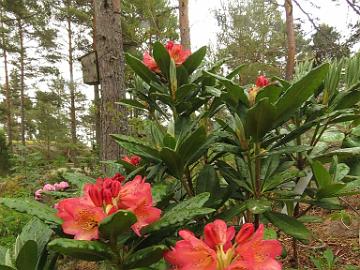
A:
{"x": 193, "y": 141}
{"x": 145, "y": 257}
{"x": 118, "y": 223}
{"x": 344, "y": 154}
{"x": 260, "y": 119}
{"x": 182, "y": 213}
{"x": 232, "y": 212}
{"x": 194, "y": 60}
{"x": 322, "y": 176}
{"x": 287, "y": 150}
{"x": 299, "y": 92}
{"x": 208, "y": 181}
{"x": 235, "y": 72}
{"x": 140, "y": 69}
{"x": 132, "y": 103}
{"x": 280, "y": 178}
{"x": 289, "y": 225}
{"x": 258, "y": 206}
{"x": 162, "y": 58}
{"x": 81, "y": 249}
{"x": 5, "y": 267}
{"x": 78, "y": 179}
{"x": 33, "y": 208}
{"x": 330, "y": 190}
{"x": 310, "y": 219}
{"x": 347, "y": 98}
{"x": 173, "y": 162}
{"x": 272, "y": 92}
{"x": 27, "y": 257}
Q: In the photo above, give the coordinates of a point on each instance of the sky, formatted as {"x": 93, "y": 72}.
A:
{"x": 204, "y": 26}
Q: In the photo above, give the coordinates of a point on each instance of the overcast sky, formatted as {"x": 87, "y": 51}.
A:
{"x": 204, "y": 27}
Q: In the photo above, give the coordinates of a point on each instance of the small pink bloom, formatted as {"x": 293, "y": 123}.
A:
{"x": 191, "y": 253}
{"x": 217, "y": 233}
{"x": 63, "y": 185}
{"x": 38, "y": 194}
{"x": 49, "y": 187}
{"x": 80, "y": 219}
{"x": 262, "y": 81}
{"x": 149, "y": 61}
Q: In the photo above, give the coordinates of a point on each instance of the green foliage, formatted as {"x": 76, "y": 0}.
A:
{"x": 4, "y": 154}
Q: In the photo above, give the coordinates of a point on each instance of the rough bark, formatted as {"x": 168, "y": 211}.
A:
{"x": 184, "y": 23}
{"x": 291, "y": 43}
{"x": 109, "y": 47}
{"x": 71, "y": 86}
{"x": 7, "y": 93}
{"x": 22, "y": 81}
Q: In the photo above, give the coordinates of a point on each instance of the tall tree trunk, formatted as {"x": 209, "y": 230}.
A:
{"x": 22, "y": 80}
{"x": 7, "y": 92}
{"x": 184, "y": 23}
{"x": 291, "y": 43}
{"x": 97, "y": 101}
{"x": 109, "y": 47}
{"x": 71, "y": 86}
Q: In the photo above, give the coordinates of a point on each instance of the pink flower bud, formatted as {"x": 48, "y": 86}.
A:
{"x": 118, "y": 177}
{"x": 107, "y": 196}
{"x": 49, "y": 187}
{"x": 96, "y": 195}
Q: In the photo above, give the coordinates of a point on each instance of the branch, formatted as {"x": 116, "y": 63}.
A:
{"x": 354, "y": 6}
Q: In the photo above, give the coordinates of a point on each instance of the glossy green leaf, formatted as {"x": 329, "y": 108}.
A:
{"x": 330, "y": 190}
{"x": 289, "y": 225}
{"x": 233, "y": 211}
{"x": 322, "y": 176}
{"x": 194, "y": 60}
{"x": 260, "y": 119}
{"x": 33, "y": 208}
{"x": 310, "y": 219}
{"x": 280, "y": 178}
{"x": 272, "y": 92}
{"x": 344, "y": 154}
{"x": 162, "y": 58}
{"x": 258, "y": 206}
{"x": 116, "y": 224}
{"x": 208, "y": 181}
{"x": 78, "y": 179}
{"x": 193, "y": 141}
{"x": 145, "y": 257}
{"x": 133, "y": 103}
{"x": 299, "y": 92}
{"x": 27, "y": 257}
{"x": 81, "y": 249}
{"x": 140, "y": 69}
{"x": 173, "y": 162}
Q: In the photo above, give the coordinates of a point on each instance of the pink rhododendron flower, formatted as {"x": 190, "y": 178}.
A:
{"x": 134, "y": 160}
{"x": 61, "y": 186}
{"x": 80, "y": 218}
{"x": 49, "y": 187}
{"x": 262, "y": 81}
{"x": 217, "y": 252}
{"x": 176, "y": 52}
{"x": 38, "y": 194}
{"x": 107, "y": 196}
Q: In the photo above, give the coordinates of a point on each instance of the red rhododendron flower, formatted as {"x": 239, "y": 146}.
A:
{"x": 216, "y": 252}
{"x": 176, "y": 52}
{"x": 82, "y": 215}
{"x": 134, "y": 160}
{"x": 262, "y": 81}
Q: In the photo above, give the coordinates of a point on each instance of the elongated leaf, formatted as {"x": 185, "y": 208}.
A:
{"x": 272, "y": 92}
{"x": 194, "y": 60}
{"x": 140, "y": 69}
{"x": 258, "y": 206}
{"x": 289, "y": 225}
{"x": 81, "y": 249}
{"x": 233, "y": 211}
{"x": 260, "y": 119}
{"x": 322, "y": 176}
{"x": 330, "y": 190}
{"x": 133, "y": 103}
{"x": 27, "y": 257}
{"x": 299, "y": 92}
{"x": 162, "y": 58}
{"x": 195, "y": 140}
{"x": 173, "y": 162}
{"x": 235, "y": 72}
{"x": 345, "y": 154}
{"x": 145, "y": 257}
{"x": 114, "y": 225}
{"x": 279, "y": 179}
{"x": 208, "y": 181}
{"x": 32, "y": 207}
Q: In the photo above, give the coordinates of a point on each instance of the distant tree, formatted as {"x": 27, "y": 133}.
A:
{"x": 327, "y": 44}
{"x": 184, "y": 23}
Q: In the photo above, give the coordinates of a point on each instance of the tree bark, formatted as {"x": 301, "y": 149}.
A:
{"x": 184, "y": 23}
{"x": 7, "y": 92}
{"x": 22, "y": 81}
{"x": 109, "y": 47}
{"x": 71, "y": 86}
{"x": 291, "y": 43}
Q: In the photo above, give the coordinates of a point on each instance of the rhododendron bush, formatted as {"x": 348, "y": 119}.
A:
{"x": 216, "y": 156}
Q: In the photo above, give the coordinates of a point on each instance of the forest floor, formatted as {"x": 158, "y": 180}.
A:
{"x": 343, "y": 240}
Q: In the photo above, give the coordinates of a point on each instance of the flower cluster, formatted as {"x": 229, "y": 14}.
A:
{"x": 82, "y": 215}
{"x": 216, "y": 251}
{"x": 48, "y": 187}
{"x": 260, "y": 82}
{"x": 133, "y": 160}
{"x": 176, "y": 52}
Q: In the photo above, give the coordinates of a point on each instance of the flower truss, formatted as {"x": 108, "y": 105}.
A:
{"x": 218, "y": 251}
{"x": 81, "y": 216}
{"x": 48, "y": 187}
{"x": 176, "y": 52}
